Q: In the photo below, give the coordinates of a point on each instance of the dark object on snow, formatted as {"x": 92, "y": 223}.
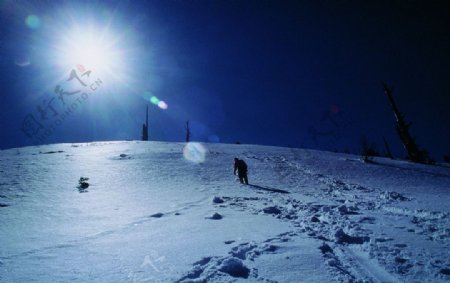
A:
{"x": 51, "y": 152}
{"x": 217, "y": 200}
{"x": 123, "y": 156}
{"x": 157, "y": 215}
{"x": 241, "y": 168}
{"x": 145, "y": 127}
{"x": 83, "y": 184}
{"x": 445, "y": 271}
{"x": 216, "y": 216}
{"x": 415, "y": 154}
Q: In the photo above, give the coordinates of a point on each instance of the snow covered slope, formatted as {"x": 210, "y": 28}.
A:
{"x": 151, "y": 215}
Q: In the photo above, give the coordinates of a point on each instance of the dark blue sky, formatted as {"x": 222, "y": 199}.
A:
{"x": 299, "y": 73}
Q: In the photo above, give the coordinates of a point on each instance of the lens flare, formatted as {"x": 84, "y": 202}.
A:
{"x": 162, "y": 105}
{"x": 154, "y": 100}
{"x": 194, "y": 152}
{"x": 22, "y": 62}
{"x": 33, "y": 22}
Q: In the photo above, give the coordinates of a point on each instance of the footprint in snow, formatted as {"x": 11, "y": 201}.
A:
{"x": 124, "y": 156}
{"x": 234, "y": 267}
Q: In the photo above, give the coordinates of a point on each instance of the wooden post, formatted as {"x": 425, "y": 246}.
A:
{"x": 145, "y": 127}
{"x": 188, "y": 132}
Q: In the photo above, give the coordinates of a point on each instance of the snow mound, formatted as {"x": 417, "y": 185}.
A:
{"x": 209, "y": 268}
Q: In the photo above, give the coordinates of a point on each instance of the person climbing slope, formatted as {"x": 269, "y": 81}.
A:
{"x": 241, "y": 168}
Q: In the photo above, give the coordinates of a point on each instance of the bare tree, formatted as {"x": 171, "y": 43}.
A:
{"x": 415, "y": 154}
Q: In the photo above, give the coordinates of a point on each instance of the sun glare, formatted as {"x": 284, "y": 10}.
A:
{"x": 90, "y": 53}
{"x": 95, "y": 49}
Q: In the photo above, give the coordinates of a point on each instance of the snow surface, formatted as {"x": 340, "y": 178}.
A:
{"x": 150, "y": 215}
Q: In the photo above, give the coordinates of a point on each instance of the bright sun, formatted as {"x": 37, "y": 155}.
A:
{"x": 96, "y": 50}
{"x": 90, "y": 53}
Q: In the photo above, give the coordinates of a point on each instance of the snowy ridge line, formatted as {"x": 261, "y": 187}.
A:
{"x": 285, "y": 169}
{"x": 96, "y": 236}
{"x": 434, "y": 174}
{"x": 331, "y": 182}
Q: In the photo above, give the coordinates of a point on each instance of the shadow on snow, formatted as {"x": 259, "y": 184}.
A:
{"x": 269, "y": 189}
